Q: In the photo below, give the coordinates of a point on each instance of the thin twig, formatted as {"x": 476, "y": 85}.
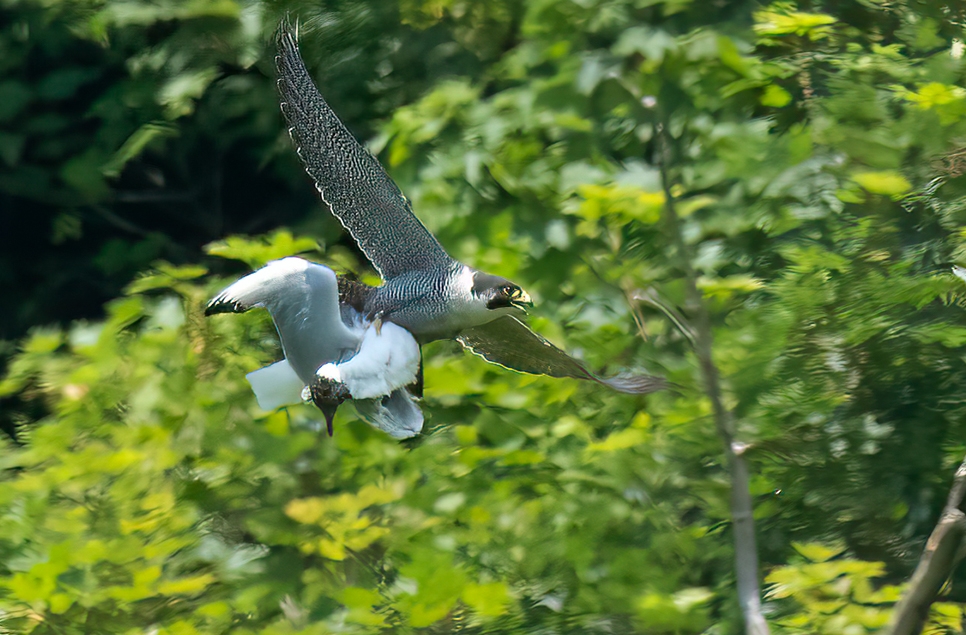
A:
{"x": 938, "y": 561}
{"x": 651, "y": 296}
{"x": 746, "y": 554}
{"x": 628, "y": 297}
{"x": 154, "y": 196}
{"x": 120, "y": 223}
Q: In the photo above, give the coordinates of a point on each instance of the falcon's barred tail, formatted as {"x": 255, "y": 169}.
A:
{"x": 634, "y": 384}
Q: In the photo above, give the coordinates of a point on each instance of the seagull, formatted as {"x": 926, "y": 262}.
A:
{"x": 332, "y": 353}
{"x": 424, "y": 290}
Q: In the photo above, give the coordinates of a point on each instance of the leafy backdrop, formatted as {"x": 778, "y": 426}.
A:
{"x": 815, "y": 160}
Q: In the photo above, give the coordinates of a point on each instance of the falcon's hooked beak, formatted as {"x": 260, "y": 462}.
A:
{"x": 520, "y": 299}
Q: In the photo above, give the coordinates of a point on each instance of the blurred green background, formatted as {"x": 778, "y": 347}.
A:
{"x": 817, "y": 160}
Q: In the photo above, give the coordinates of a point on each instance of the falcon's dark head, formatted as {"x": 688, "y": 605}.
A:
{"x": 499, "y": 293}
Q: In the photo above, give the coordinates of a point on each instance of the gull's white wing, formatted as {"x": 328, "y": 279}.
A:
{"x": 303, "y": 300}
{"x": 397, "y": 415}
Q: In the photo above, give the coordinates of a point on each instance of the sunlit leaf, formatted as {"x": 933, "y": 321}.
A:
{"x": 889, "y": 182}
{"x": 258, "y": 252}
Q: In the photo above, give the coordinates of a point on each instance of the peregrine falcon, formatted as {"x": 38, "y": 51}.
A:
{"x": 332, "y": 352}
{"x": 424, "y": 290}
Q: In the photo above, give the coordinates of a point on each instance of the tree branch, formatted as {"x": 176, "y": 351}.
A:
{"x": 942, "y": 553}
{"x": 652, "y": 297}
{"x": 746, "y": 554}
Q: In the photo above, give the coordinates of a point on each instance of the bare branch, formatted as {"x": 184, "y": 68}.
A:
{"x": 652, "y": 297}
{"x": 938, "y": 561}
{"x": 746, "y": 554}
{"x": 120, "y": 223}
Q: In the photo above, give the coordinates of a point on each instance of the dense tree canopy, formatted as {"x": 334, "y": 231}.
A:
{"x": 812, "y": 154}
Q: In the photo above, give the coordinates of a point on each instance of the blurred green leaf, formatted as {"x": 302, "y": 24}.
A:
{"x": 260, "y": 251}
{"x": 135, "y": 145}
{"x": 888, "y": 182}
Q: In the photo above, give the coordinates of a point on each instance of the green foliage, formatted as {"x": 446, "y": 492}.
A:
{"x": 257, "y": 254}
{"x": 187, "y": 508}
{"x": 838, "y": 595}
{"x": 816, "y": 164}
{"x": 132, "y": 131}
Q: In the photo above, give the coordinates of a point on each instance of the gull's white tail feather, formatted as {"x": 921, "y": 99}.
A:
{"x": 276, "y": 385}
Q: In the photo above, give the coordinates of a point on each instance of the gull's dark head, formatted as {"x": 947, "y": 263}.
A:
{"x": 499, "y": 293}
{"x": 327, "y": 395}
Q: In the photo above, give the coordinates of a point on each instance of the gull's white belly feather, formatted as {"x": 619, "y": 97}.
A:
{"x": 384, "y": 362}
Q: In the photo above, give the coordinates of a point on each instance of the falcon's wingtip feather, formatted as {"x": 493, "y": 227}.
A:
{"x": 287, "y": 53}
{"x": 287, "y": 28}
{"x": 510, "y": 343}
{"x": 635, "y": 384}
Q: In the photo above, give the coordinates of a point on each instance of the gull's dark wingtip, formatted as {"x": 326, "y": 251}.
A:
{"x": 224, "y": 304}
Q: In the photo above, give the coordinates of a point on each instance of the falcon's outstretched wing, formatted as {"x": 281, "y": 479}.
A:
{"x": 351, "y": 181}
{"x": 510, "y": 343}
